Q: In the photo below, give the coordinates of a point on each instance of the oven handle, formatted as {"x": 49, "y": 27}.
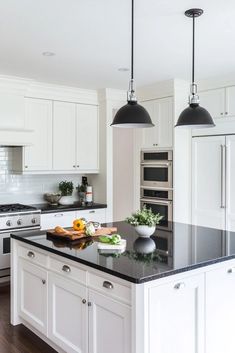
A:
{"x": 155, "y": 165}
{"x": 162, "y": 202}
{"x": 16, "y": 230}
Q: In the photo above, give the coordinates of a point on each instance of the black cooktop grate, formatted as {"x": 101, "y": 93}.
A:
{"x": 15, "y": 207}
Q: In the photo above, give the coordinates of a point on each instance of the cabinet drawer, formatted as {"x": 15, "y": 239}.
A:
{"x": 95, "y": 215}
{"x": 34, "y": 256}
{"x": 110, "y": 287}
{"x": 67, "y": 270}
{"x": 63, "y": 219}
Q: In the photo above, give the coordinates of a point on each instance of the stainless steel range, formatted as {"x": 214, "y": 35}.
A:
{"x": 14, "y": 217}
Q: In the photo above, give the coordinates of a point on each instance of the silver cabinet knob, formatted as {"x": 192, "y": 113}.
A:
{"x": 89, "y": 303}
{"x": 83, "y": 301}
{"x": 231, "y": 270}
{"x": 108, "y": 285}
{"x": 26, "y": 166}
{"x": 226, "y": 113}
{"x": 180, "y": 285}
{"x": 33, "y": 220}
{"x": 74, "y": 166}
{"x": 66, "y": 268}
{"x": 43, "y": 281}
{"x": 221, "y": 113}
{"x": 78, "y": 166}
{"x": 19, "y": 222}
{"x": 31, "y": 255}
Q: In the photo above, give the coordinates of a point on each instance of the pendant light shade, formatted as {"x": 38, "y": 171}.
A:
{"x": 194, "y": 116}
{"x": 132, "y": 115}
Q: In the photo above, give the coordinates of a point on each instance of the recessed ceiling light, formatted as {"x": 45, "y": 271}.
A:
{"x": 123, "y": 69}
{"x": 48, "y": 53}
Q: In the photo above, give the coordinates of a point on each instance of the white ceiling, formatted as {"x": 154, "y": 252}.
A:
{"x": 91, "y": 40}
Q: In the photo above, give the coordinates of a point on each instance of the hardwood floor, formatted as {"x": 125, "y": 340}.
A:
{"x": 17, "y": 339}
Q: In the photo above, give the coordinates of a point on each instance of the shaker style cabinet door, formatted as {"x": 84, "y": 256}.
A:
{"x": 176, "y": 316}
{"x": 230, "y": 101}
{"x": 64, "y": 219}
{"x": 64, "y": 136}
{"x": 38, "y": 157}
{"x": 220, "y": 310}
{"x": 87, "y": 138}
{"x": 230, "y": 185}
{"x": 208, "y": 181}
{"x": 67, "y": 313}
{"x": 109, "y": 325}
{"x": 33, "y": 295}
{"x": 161, "y": 113}
{"x": 214, "y": 101}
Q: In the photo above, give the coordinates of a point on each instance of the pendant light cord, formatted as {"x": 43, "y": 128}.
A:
{"x": 193, "y": 54}
{"x": 132, "y": 40}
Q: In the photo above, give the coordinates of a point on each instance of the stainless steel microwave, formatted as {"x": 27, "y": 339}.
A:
{"x": 153, "y": 156}
{"x": 157, "y": 175}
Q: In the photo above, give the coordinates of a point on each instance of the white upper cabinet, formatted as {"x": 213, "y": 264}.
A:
{"x": 230, "y": 101}
{"x": 38, "y": 157}
{"x": 161, "y": 113}
{"x": 12, "y": 111}
{"x": 64, "y": 137}
{"x": 208, "y": 181}
{"x": 213, "y": 101}
{"x": 176, "y": 316}
{"x": 87, "y": 137}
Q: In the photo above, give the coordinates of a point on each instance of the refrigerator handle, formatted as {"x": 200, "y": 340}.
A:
{"x": 223, "y": 151}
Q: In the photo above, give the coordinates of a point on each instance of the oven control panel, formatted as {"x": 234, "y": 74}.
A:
{"x": 20, "y": 220}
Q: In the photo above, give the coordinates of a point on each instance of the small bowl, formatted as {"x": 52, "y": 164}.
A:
{"x": 52, "y": 198}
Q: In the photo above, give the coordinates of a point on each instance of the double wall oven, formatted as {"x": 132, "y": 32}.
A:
{"x": 156, "y": 189}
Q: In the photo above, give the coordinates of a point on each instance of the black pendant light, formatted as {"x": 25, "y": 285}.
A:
{"x": 194, "y": 116}
{"x": 132, "y": 115}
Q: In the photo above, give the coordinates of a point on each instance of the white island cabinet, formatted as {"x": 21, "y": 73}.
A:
{"x": 76, "y": 308}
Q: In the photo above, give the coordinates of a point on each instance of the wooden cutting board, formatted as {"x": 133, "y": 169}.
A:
{"x": 78, "y": 235}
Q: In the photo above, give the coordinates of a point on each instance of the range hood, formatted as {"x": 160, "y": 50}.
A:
{"x": 16, "y": 137}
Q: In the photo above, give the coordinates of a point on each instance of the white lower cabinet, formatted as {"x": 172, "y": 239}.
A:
{"x": 220, "y": 310}
{"x": 33, "y": 295}
{"x": 176, "y": 316}
{"x": 67, "y": 314}
{"x": 109, "y": 325}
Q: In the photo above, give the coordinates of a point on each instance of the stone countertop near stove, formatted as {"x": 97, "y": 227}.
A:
{"x": 48, "y": 208}
{"x": 186, "y": 248}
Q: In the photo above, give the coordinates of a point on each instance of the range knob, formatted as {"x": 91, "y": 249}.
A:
{"x": 19, "y": 222}
{"x": 8, "y": 223}
{"x": 34, "y": 220}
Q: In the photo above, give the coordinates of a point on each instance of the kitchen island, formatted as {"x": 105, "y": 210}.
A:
{"x": 179, "y": 298}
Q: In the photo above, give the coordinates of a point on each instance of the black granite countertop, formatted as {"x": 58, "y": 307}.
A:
{"x": 186, "y": 248}
{"x": 48, "y": 208}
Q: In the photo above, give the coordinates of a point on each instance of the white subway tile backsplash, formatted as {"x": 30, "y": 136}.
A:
{"x": 27, "y": 188}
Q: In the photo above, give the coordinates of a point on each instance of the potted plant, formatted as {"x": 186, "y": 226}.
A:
{"x": 66, "y": 190}
{"x": 144, "y": 221}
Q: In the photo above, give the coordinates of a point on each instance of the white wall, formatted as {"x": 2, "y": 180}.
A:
{"x": 123, "y": 173}
{"x": 27, "y": 189}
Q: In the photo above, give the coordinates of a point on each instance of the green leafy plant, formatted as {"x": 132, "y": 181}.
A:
{"x": 144, "y": 217}
{"x": 66, "y": 188}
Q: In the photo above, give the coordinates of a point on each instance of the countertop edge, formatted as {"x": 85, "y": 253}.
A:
{"x": 69, "y": 208}
{"x": 122, "y": 276}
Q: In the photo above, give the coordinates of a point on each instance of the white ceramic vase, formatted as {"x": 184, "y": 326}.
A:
{"x": 66, "y": 200}
{"x": 145, "y": 231}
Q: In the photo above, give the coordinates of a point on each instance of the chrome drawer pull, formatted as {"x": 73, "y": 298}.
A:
{"x": 66, "y": 268}
{"x": 31, "y": 255}
{"x": 231, "y": 270}
{"x": 180, "y": 285}
{"x": 107, "y": 285}
{"x": 91, "y": 211}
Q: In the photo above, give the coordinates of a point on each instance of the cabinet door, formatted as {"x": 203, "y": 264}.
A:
{"x": 12, "y": 110}
{"x": 230, "y": 101}
{"x": 214, "y": 101}
{"x": 175, "y": 318}
{"x": 161, "y": 113}
{"x": 230, "y": 185}
{"x": 97, "y": 215}
{"x": 67, "y": 313}
{"x": 39, "y": 118}
{"x": 208, "y": 182}
{"x": 164, "y": 111}
{"x": 51, "y": 220}
{"x": 87, "y": 133}
{"x": 109, "y": 325}
{"x": 33, "y": 295}
{"x": 150, "y": 135}
{"x": 64, "y": 136}
{"x": 220, "y": 310}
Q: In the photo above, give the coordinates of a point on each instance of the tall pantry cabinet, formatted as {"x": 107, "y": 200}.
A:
{"x": 213, "y": 187}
